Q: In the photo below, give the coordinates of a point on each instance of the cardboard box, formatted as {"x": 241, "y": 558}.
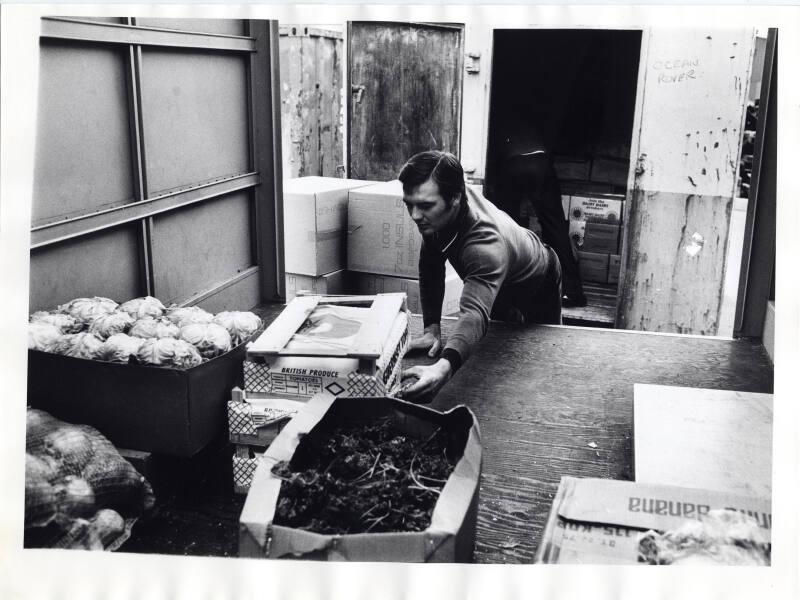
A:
{"x": 337, "y": 282}
{"x": 451, "y": 535}
{"x": 600, "y": 237}
{"x": 366, "y": 362}
{"x": 610, "y": 170}
{"x": 593, "y": 267}
{"x": 598, "y": 521}
{"x": 595, "y": 209}
{"x": 315, "y": 223}
{"x": 155, "y": 409}
{"x": 369, "y": 283}
{"x": 567, "y": 167}
{"x": 258, "y": 421}
{"x": 381, "y": 237}
{"x": 613, "y": 268}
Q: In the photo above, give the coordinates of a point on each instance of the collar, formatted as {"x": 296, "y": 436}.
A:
{"x": 448, "y": 236}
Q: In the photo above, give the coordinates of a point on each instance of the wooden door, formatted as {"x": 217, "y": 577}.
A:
{"x": 157, "y": 169}
{"x": 406, "y": 84}
{"x": 311, "y": 101}
{"x": 684, "y": 158}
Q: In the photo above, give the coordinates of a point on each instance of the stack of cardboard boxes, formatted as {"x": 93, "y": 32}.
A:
{"x": 354, "y": 237}
{"x": 594, "y": 226}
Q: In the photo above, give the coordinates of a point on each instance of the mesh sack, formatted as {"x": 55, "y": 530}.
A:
{"x": 186, "y": 315}
{"x": 140, "y": 308}
{"x": 239, "y": 324}
{"x": 210, "y": 339}
{"x": 105, "y": 326}
{"x": 150, "y": 328}
{"x": 66, "y": 323}
{"x": 168, "y": 352}
{"x": 79, "y": 491}
{"x": 43, "y": 336}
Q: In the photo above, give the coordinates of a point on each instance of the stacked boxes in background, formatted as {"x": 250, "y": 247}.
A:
{"x": 383, "y": 246}
{"x": 315, "y": 233}
{"x": 594, "y": 226}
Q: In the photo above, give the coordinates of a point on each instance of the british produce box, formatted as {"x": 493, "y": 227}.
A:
{"x": 315, "y": 224}
{"x": 345, "y": 345}
{"x": 395, "y": 510}
{"x": 381, "y": 236}
{"x": 604, "y": 521}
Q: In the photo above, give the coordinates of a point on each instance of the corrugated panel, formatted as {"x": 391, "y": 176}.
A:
{"x": 83, "y": 159}
{"x": 195, "y": 117}
{"x": 221, "y": 26}
{"x": 198, "y": 247}
{"x": 105, "y": 264}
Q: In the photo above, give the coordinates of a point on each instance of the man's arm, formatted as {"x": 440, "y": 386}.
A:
{"x": 431, "y": 291}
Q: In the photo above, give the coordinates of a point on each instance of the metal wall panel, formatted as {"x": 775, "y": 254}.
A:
{"x": 221, "y": 26}
{"x": 83, "y": 159}
{"x": 105, "y": 264}
{"x": 195, "y": 117}
{"x": 201, "y": 246}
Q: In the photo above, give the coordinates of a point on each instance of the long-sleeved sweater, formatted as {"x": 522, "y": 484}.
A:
{"x": 488, "y": 250}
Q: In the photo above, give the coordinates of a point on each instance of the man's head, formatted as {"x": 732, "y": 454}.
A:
{"x": 433, "y": 189}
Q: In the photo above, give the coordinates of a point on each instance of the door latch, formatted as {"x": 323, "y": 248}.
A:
{"x": 358, "y": 92}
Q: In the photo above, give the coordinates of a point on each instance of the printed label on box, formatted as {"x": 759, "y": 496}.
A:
{"x": 597, "y": 209}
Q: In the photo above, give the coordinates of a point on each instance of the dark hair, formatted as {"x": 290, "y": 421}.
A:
{"x": 442, "y": 168}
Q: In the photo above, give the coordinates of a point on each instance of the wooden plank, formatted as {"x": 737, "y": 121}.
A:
{"x": 710, "y": 439}
{"x": 370, "y": 338}
{"x": 281, "y": 330}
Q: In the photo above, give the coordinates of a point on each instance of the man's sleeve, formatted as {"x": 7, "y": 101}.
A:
{"x": 431, "y": 284}
{"x": 485, "y": 270}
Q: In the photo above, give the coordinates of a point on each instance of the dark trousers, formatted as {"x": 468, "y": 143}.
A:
{"x": 527, "y": 302}
{"x": 533, "y": 177}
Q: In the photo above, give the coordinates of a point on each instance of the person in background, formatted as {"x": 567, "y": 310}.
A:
{"x": 527, "y": 174}
{"x": 509, "y": 274}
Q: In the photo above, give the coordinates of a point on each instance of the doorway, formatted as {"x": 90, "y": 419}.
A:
{"x": 574, "y": 91}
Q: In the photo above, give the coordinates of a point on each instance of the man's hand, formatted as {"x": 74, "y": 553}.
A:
{"x": 430, "y": 341}
{"x": 422, "y": 382}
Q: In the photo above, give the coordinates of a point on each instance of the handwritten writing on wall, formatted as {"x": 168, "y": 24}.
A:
{"x": 676, "y": 71}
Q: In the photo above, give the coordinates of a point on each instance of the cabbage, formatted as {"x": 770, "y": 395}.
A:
{"x": 187, "y": 315}
{"x": 66, "y": 323}
{"x": 75, "y": 497}
{"x": 71, "y": 446}
{"x": 120, "y": 347}
{"x": 86, "y": 309}
{"x": 241, "y": 325}
{"x": 139, "y": 308}
{"x": 43, "y": 336}
{"x": 40, "y": 500}
{"x": 154, "y": 328}
{"x": 168, "y": 352}
{"x": 79, "y": 345}
{"x": 210, "y": 339}
{"x": 105, "y": 326}
{"x": 108, "y": 525}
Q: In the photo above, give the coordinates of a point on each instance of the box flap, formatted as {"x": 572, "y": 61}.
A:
{"x": 276, "y": 336}
{"x": 648, "y": 506}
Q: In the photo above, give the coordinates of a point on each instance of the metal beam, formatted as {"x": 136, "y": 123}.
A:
{"x": 112, "y": 33}
{"x": 59, "y": 231}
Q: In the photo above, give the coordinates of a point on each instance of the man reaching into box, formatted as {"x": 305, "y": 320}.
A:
{"x": 508, "y": 273}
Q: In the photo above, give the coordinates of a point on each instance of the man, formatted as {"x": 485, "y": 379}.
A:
{"x": 508, "y": 273}
{"x": 527, "y": 174}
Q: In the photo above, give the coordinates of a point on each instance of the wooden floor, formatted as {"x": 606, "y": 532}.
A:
{"x": 600, "y": 310}
{"x": 550, "y": 401}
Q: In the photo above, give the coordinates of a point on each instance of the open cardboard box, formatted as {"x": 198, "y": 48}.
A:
{"x": 598, "y": 521}
{"x": 451, "y": 534}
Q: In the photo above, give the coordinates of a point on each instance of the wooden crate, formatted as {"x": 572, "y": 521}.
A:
{"x": 368, "y": 366}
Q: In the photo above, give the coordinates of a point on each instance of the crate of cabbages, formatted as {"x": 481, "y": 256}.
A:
{"x": 79, "y": 491}
{"x": 603, "y": 521}
{"x": 149, "y": 377}
{"x": 366, "y": 479}
{"x": 342, "y": 345}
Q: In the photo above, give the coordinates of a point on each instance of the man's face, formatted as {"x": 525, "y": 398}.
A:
{"x": 429, "y": 210}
